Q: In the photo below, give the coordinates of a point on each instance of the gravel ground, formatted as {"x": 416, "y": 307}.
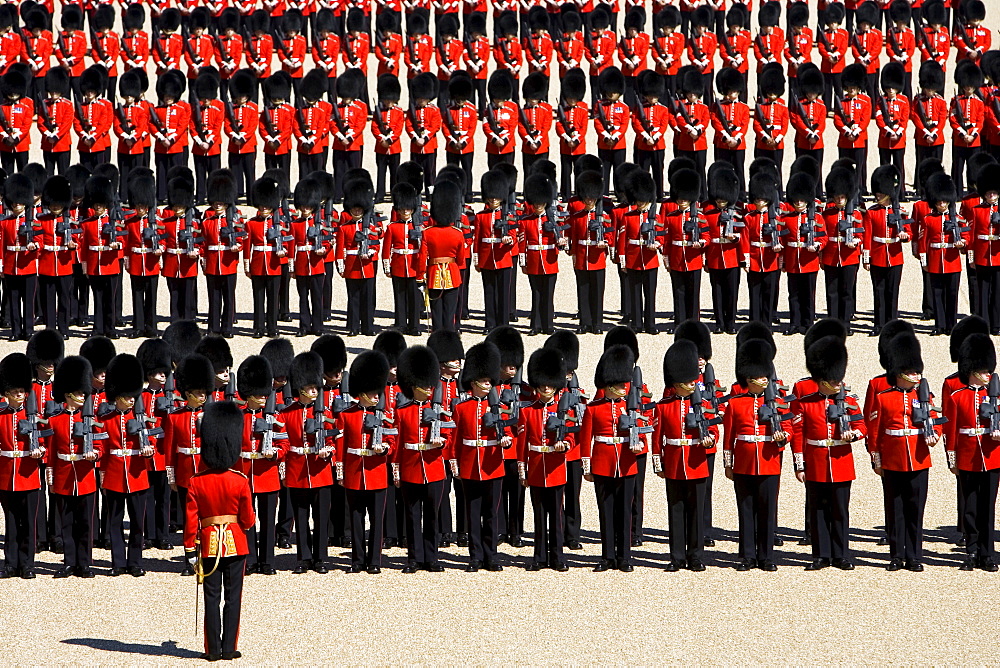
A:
{"x": 718, "y": 617}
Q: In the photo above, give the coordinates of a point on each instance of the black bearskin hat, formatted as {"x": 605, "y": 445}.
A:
{"x": 418, "y": 367}
{"x": 568, "y": 345}
{"x": 183, "y": 337}
{"x": 508, "y": 342}
{"x": 369, "y": 373}
{"x": 754, "y": 359}
{"x": 216, "y": 349}
{"x": 697, "y": 333}
{"x": 447, "y": 345}
{"x": 279, "y": 354}
{"x": 73, "y": 376}
{"x": 547, "y": 368}
{"x": 447, "y": 203}
{"x": 826, "y": 359}
{"x": 254, "y": 378}
{"x": 332, "y": 352}
{"x": 391, "y": 343}
{"x": 221, "y": 435}
{"x": 614, "y": 367}
{"x": 621, "y": 335}
{"x": 977, "y": 353}
{"x": 99, "y": 351}
{"x": 962, "y": 330}
{"x": 885, "y": 180}
{"x": 195, "y": 372}
{"x": 823, "y": 328}
{"x": 685, "y": 185}
{"x": 680, "y": 363}
{"x": 155, "y": 357}
{"x": 611, "y": 81}
{"x": 307, "y": 369}
{"x": 124, "y": 378}
{"x": 890, "y": 330}
{"x": 16, "y": 373}
{"x": 45, "y": 347}
{"x": 904, "y": 355}
{"x": 481, "y": 361}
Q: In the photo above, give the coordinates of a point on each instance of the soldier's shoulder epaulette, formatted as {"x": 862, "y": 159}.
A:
{"x": 239, "y": 473}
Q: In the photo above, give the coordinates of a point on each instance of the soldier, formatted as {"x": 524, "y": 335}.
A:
{"x": 221, "y": 230}
{"x": 19, "y": 255}
{"x": 388, "y": 119}
{"x": 159, "y": 396}
{"x": 263, "y": 247}
{"x": 882, "y": 245}
{"x": 291, "y": 47}
{"x": 966, "y": 116}
{"x": 442, "y": 248}
{"x": 93, "y": 121}
{"x": 228, "y": 51}
{"x": 572, "y": 117}
{"x": 511, "y": 388}
{"x": 259, "y": 48}
{"x": 494, "y": 247}
{"x": 459, "y": 126}
{"x": 312, "y": 122}
{"x": 892, "y": 130}
{"x": 310, "y": 244}
{"x": 124, "y": 463}
{"x": 937, "y": 42}
{"x": 242, "y": 124}
{"x": 423, "y": 121}
{"x": 821, "y": 449}
{"x": 636, "y": 249}
{"x": 208, "y": 118}
{"x": 131, "y": 126}
{"x": 542, "y": 242}
{"x": 683, "y": 244}
{"x": 611, "y": 120}
{"x": 359, "y": 232}
{"x": 802, "y": 250}
{"x": 105, "y": 45}
{"x": 971, "y": 459}
{"x": 900, "y": 454}
{"x": 866, "y": 46}
{"x": 722, "y": 255}
{"x": 361, "y": 458}
{"x": 169, "y": 46}
{"x": 388, "y": 43}
{"x": 392, "y": 343}
{"x": 347, "y": 128}
{"x": 55, "y": 121}
{"x": 770, "y": 122}
{"x": 852, "y": 115}
{"x": 171, "y": 124}
{"x": 308, "y": 462}
{"x": 71, "y": 46}
{"x": 841, "y": 254}
{"x": 448, "y": 350}
{"x": 101, "y": 253}
{"x": 971, "y": 39}
{"x": 761, "y": 246}
{"x": 276, "y": 122}
{"x": 985, "y": 245}
{"x": 832, "y": 45}
{"x": 180, "y": 262}
{"x": 500, "y": 120}
{"x": 608, "y": 460}
{"x": 219, "y": 514}
{"x": 57, "y": 253}
{"x": 770, "y": 41}
{"x": 399, "y": 254}
{"x": 144, "y": 248}
{"x": 590, "y": 235}
{"x": 900, "y": 42}
{"x": 942, "y": 242}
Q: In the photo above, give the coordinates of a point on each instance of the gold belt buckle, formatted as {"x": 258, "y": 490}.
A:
{"x": 829, "y": 442}
{"x": 480, "y": 443}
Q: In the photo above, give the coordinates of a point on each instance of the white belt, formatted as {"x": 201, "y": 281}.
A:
{"x": 681, "y": 243}
{"x": 404, "y": 251}
{"x": 219, "y": 248}
{"x": 419, "y": 447}
{"x": 611, "y": 440}
{"x": 97, "y": 249}
{"x": 720, "y": 240}
{"x": 826, "y": 442}
{"x": 760, "y": 244}
{"x": 189, "y": 451}
{"x": 260, "y": 249}
{"x": 253, "y": 455}
{"x": 902, "y": 432}
{"x": 796, "y": 244}
{"x": 70, "y": 458}
{"x": 362, "y": 452}
{"x": 490, "y": 240}
{"x": 680, "y": 441}
{"x": 125, "y": 453}
{"x": 304, "y": 249}
{"x": 478, "y": 443}
{"x": 886, "y": 240}
{"x": 754, "y": 438}
{"x": 174, "y": 251}
{"x": 942, "y": 245}
{"x": 14, "y": 454}
{"x": 588, "y": 242}
{"x": 304, "y": 451}
{"x": 55, "y": 248}
{"x": 541, "y": 247}
{"x": 988, "y": 237}
{"x": 541, "y": 448}
{"x": 975, "y": 431}
{"x": 637, "y": 242}
{"x": 17, "y": 249}
{"x": 351, "y": 252}
{"x": 142, "y": 251}
{"x": 839, "y": 240}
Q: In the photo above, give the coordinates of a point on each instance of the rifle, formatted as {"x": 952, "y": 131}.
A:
{"x": 230, "y": 232}
{"x": 726, "y": 126}
{"x": 600, "y": 224}
{"x": 729, "y": 222}
{"x": 186, "y": 236}
{"x": 155, "y": 120}
{"x": 528, "y": 125}
{"x": 234, "y": 122}
{"x": 886, "y": 114}
{"x": 458, "y": 136}
{"x": 30, "y": 426}
{"x": 660, "y": 53}
{"x": 137, "y": 426}
{"x": 491, "y": 118}
{"x": 435, "y": 415}
{"x": 342, "y": 401}
{"x": 821, "y": 38}
{"x": 275, "y": 234}
{"x": 551, "y": 224}
{"x": 265, "y": 118}
{"x": 376, "y": 422}
{"x": 696, "y": 416}
{"x": 345, "y": 43}
{"x": 5, "y": 126}
{"x": 956, "y": 109}
{"x": 588, "y": 44}
{"x": 626, "y": 49}
{"x": 158, "y": 50}
{"x": 691, "y": 226}
{"x": 318, "y": 44}
{"x": 363, "y": 236}
{"x": 893, "y": 42}
{"x": 643, "y": 121}
{"x": 681, "y": 106}
{"x": 695, "y": 47}
{"x": 929, "y": 123}
{"x": 951, "y": 226}
{"x": 772, "y": 412}
{"x": 167, "y": 402}
{"x": 762, "y": 47}
{"x": 379, "y": 121}
{"x": 129, "y": 53}
{"x": 112, "y": 232}
{"x": 724, "y": 41}
{"x": 923, "y": 409}
{"x": 894, "y": 218}
{"x": 279, "y": 43}
{"x": 558, "y": 42}
{"x": 315, "y": 426}
{"x": 65, "y": 228}
{"x": 765, "y": 124}
{"x": 248, "y": 40}
{"x": 61, "y": 45}
{"x": 497, "y": 415}
{"x": 856, "y": 43}
{"x": 799, "y": 110}
{"x": 838, "y": 109}
{"x": 416, "y": 234}
{"x": 502, "y": 43}
{"x": 47, "y": 120}
{"x": 963, "y": 34}
{"x": 85, "y": 429}
{"x": 845, "y": 226}
{"x": 633, "y": 416}
{"x": 443, "y": 53}
{"x": 338, "y": 117}
{"x": 647, "y": 228}
{"x": 316, "y": 233}
{"x": 837, "y": 413}
{"x": 222, "y": 49}
{"x": 808, "y": 228}
{"x": 560, "y": 421}
{"x": 770, "y": 226}
{"x": 26, "y": 40}
{"x": 265, "y": 427}
{"x": 989, "y": 410}
{"x": 380, "y": 44}
{"x": 511, "y": 398}
{"x": 561, "y": 117}
{"x": 151, "y": 233}
{"x": 96, "y": 41}
{"x": 793, "y": 46}
{"x": 199, "y": 127}
{"x": 304, "y": 128}
{"x": 412, "y": 53}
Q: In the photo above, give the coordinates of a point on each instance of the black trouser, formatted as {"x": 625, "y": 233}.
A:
{"x": 340, "y": 516}
{"x": 905, "y": 497}
{"x": 464, "y": 160}
{"x": 611, "y": 158}
{"x": 736, "y": 158}
{"x": 386, "y": 162}
{"x": 639, "y": 498}
{"x": 590, "y": 296}
{"x": 924, "y": 152}
{"x": 243, "y": 166}
{"x": 56, "y": 163}
{"x": 360, "y": 293}
{"x": 370, "y": 502}
{"x": 778, "y": 155}
{"x": 549, "y": 525}
{"x": 980, "y": 491}
{"x": 496, "y": 158}
{"x": 959, "y": 164}
{"x": 896, "y": 157}
{"x": 528, "y": 160}
{"x": 144, "y": 302}
{"x": 282, "y": 161}
{"x": 445, "y": 523}
{"x": 757, "y": 508}
{"x": 710, "y": 458}
{"x": 463, "y": 297}
{"x": 652, "y": 162}
{"x": 312, "y": 162}
{"x": 284, "y": 288}
{"x": 686, "y": 288}
{"x": 699, "y": 158}
{"x": 543, "y": 288}
{"x": 685, "y": 508}
{"x": 972, "y": 284}
{"x": 286, "y": 518}
{"x": 428, "y": 163}
{"x": 221, "y": 303}
{"x": 265, "y": 303}
{"x": 802, "y": 299}
{"x": 571, "y": 500}
{"x": 422, "y": 502}
{"x": 407, "y": 299}
{"x": 203, "y": 166}
{"x": 77, "y": 516}
{"x": 312, "y": 544}
{"x": 117, "y": 503}
{"x": 763, "y": 291}
{"x": 262, "y": 546}
{"x": 393, "y": 523}
{"x": 885, "y": 291}
{"x": 566, "y": 170}
{"x": 343, "y": 161}
{"x": 20, "y": 518}
{"x": 54, "y": 292}
{"x": 89, "y": 159}
{"x": 944, "y": 297}
{"x": 841, "y": 291}
{"x": 482, "y": 508}
{"x": 829, "y": 518}
{"x": 496, "y": 296}
{"x": 163, "y": 162}
{"x": 444, "y": 305}
{"x": 511, "y": 501}
{"x": 21, "y": 303}
{"x": 642, "y": 289}
{"x": 818, "y": 154}
{"x": 15, "y": 161}
{"x": 183, "y": 298}
{"x": 310, "y": 289}
{"x": 860, "y": 158}
{"x": 832, "y": 86}
{"x": 725, "y": 292}
{"x": 222, "y": 627}
{"x": 103, "y": 288}
{"x": 158, "y": 507}
{"x": 614, "y": 509}
{"x": 988, "y": 304}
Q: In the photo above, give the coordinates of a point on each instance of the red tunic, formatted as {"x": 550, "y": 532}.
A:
{"x": 72, "y": 475}
{"x": 304, "y": 467}
{"x": 260, "y": 254}
{"x": 895, "y": 442}
{"x": 967, "y": 439}
{"x": 858, "y": 111}
{"x": 938, "y": 254}
{"x": 182, "y": 438}
{"x": 488, "y": 246}
{"x": 417, "y": 461}
{"x": 985, "y": 234}
{"x": 60, "y": 113}
{"x": 18, "y": 471}
{"x": 476, "y": 448}
{"x": 604, "y": 448}
{"x": 681, "y": 454}
{"x": 882, "y": 247}
{"x": 633, "y": 247}
{"x": 816, "y": 443}
{"x": 678, "y": 244}
{"x": 262, "y": 471}
{"x": 441, "y": 242}
{"x": 142, "y": 257}
{"x": 749, "y": 448}
{"x": 757, "y": 247}
{"x": 899, "y": 111}
{"x": 538, "y": 247}
{"x": 216, "y": 494}
{"x": 543, "y": 465}
{"x": 798, "y": 259}
{"x": 54, "y": 257}
{"x": 359, "y": 466}
{"x": 98, "y": 256}
{"x": 123, "y": 468}
{"x": 218, "y": 256}
{"x": 584, "y": 242}
{"x": 837, "y": 251}
{"x": 776, "y": 116}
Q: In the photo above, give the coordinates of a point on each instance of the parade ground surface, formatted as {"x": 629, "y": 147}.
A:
{"x": 720, "y": 616}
